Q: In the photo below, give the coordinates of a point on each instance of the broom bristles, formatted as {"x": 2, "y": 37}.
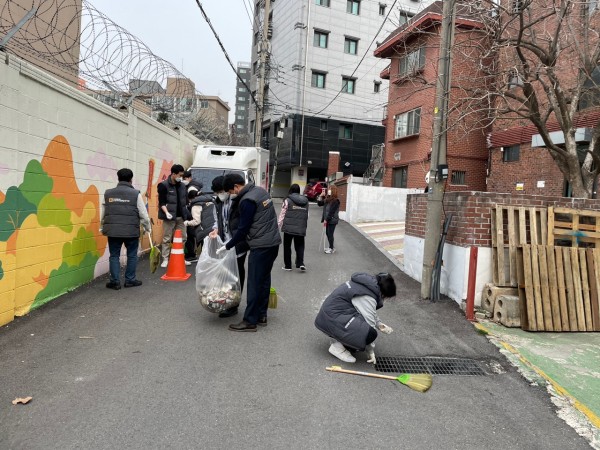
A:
{"x": 420, "y": 382}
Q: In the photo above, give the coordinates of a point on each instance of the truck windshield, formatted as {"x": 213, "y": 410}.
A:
{"x": 205, "y": 176}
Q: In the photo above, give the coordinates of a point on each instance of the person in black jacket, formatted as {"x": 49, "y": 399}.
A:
{"x": 122, "y": 211}
{"x": 201, "y": 207}
{"x": 331, "y": 211}
{"x": 226, "y": 220}
{"x": 293, "y": 221}
{"x": 349, "y": 314}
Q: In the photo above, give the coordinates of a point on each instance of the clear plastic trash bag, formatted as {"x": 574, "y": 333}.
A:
{"x": 217, "y": 277}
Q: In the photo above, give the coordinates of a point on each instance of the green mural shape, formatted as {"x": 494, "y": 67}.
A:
{"x": 36, "y": 182}
{"x": 74, "y": 252}
{"x": 13, "y": 212}
{"x": 53, "y": 211}
{"x": 66, "y": 278}
{"x": 1, "y": 271}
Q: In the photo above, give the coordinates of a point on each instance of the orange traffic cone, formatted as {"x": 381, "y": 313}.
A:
{"x": 176, "y": 268}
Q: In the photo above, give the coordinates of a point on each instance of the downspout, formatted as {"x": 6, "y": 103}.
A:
{"x": 305, "y": 75}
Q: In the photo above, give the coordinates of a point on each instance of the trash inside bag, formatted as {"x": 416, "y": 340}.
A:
{"x": 217, "y": 277}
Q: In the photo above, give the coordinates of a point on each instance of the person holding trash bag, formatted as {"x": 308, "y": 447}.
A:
{"x": 172, "y": 209}
{"x": 122, "y": 211}
{"x": 331, "y": 210}
{"x": 349, "y": 314}
{"x": 293, "y": 221}
{"x": 258, "y": 227}
{"x": 226, "y": 220}
{"x": 201, "y": 207}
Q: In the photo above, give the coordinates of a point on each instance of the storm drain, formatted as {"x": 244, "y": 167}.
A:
{"x": 429, "y": 364}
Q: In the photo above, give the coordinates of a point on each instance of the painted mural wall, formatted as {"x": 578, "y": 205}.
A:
{"x": 59, "y": 151}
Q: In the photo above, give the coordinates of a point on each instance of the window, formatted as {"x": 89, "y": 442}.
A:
{"x": 252, "y": 126}
{"x": 242, "y": 89}
{"x": 350, "y": 46}
{"x": 242, "y": 99}
{"x": 590, "y": 94}
{"x": 204, "y": 104}
{"x": 400, "y": 177}
{"x": 240, "y": 117}
{"x": 353, "y": 7}
{"x": 376, "y": 86}
{"x": 407, "y": 124}
{"x": 382, "y": 9}
{"x": 458, "y": 177}
{"x": 514, "y": 79}
{"x": 242, "y": 108}
{"x": 403, "y": 17}
{"x": 318, "y": 79}
{"x": 348, "y": 85}
{"x": 322, "y": 3}
{"x": 239, "y": 127}
{"x": 256, "y": 38}
{"x": 323, "y": 125}
{"x": 517, "y": 6}
{"x": 321, "y": 38}
{"x": 511, "y": 153}
{"x": 412, "y": 62}
{"x": 243, "y": 70}
{"x": 345, "y": 131}
{"x": 254, "y": 67}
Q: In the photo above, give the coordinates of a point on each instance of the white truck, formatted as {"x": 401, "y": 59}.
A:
{"x": 210, "y": 161}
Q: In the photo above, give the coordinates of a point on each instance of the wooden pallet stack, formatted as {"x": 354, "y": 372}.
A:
{"x": 553, "y": 257}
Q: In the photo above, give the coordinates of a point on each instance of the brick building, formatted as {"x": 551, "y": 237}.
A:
{"x": 413, "y": 51}
{"x": 520, "y": 158}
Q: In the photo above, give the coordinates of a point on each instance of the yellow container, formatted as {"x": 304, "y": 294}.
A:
{"x": 273, "y": 299}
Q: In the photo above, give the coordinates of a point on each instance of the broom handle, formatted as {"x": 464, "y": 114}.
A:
{"x": 364, "y": 374}
{"x": 150, "y": 239}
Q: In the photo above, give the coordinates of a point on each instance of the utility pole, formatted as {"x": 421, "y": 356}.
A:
{"x": 260, "y": 93}
{"x": 280, "y": 127}
{"x": 438, "y": 171}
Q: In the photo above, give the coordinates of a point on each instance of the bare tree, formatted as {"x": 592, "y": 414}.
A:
{"x": 543, "y": 66}
{"x": 207, "y": 126}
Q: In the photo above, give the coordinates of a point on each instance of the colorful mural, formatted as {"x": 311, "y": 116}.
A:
{"x": 49, "y": 240}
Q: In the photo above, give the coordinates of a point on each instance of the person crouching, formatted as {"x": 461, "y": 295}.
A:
{"x": 348, "y": 315}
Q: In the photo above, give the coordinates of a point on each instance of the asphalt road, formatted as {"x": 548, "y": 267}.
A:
{"x": 158, "y": 371}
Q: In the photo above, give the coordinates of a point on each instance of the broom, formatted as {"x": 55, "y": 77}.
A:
{"x": 420, "y": 382}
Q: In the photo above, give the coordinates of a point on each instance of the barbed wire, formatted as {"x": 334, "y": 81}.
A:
{"x": 83, "y": 46}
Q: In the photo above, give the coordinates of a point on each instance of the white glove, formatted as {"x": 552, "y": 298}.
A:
{"x": 169, "y": 216}
{"x": 186, "y": 223}
{"x": 371, "y": 354}
{"x": 385, "y": 329}
{"x": 221, "y": 249}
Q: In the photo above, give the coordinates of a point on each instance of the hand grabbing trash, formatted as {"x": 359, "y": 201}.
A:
{"x": 221, "y": 250}
{"x": 370, "y": 349}
{"x": 385, "y": 329}
{"x": 169, "y": 216}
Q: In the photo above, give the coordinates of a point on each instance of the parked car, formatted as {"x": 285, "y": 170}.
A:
{"x": 315, "y": 190}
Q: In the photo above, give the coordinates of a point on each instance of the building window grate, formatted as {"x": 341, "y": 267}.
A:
{"x": 458, "y": 177}
{"x": 429, "y": 364}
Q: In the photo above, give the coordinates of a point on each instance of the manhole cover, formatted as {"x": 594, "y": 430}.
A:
{"x": 429, "y": 364}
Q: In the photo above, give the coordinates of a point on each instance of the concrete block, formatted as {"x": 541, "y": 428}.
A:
{"x": 491, "y": 292}
{"x": 506, "y": 311}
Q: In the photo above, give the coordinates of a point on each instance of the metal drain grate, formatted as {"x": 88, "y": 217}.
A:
{"x": 431, "y": 365}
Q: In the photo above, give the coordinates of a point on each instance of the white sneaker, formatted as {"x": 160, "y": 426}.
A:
{"x": 327, "y": 250}
{"x": 165, "y": 263}
{"x": 341, "y": 352}
{"x": 332, "y": 250}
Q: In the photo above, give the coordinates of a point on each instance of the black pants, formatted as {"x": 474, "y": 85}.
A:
{"x": 298, "y": 248}
{"x": 190, "y": 243}
{"x": 329, "y": 232}
{"x": 260, "y": 264}
{"x": 241, "y": 262}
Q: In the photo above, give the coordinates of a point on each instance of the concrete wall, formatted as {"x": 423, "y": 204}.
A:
{"x": 59, "y": 151}
{"x": 366, "y": 203}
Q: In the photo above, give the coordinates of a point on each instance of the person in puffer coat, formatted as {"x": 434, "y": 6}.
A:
{"x": 349, "y": 314}
{"x": 293, "y": 221}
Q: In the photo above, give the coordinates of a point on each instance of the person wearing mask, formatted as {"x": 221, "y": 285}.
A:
{"x": 172, "y": 209}
{"x": 258, "y": 227}
{"x": 122, "y": 211}
{"x": 201, "y": 207}
{"x": 349, "y": 315}
{"x": 331, "y": 211}
{"x": 189, "y": 182}
{"x": 226, "y": 220}
{"x": 293, "y": 221}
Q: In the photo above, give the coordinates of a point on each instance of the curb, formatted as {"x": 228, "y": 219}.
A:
{"x": 592, "y": 417}
{"x": 392, "y": 259}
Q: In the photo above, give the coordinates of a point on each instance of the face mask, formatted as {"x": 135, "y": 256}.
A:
{"x": 186, "y": 182}
{"x": 223, "y": 196}
{"x": 179, "y": 180}
{"x": 232, "y": 196}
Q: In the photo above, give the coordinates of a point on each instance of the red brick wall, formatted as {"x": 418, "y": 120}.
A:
{"x": 534, "y": 164}
{"x": 467, "y": 150}
{"x": 471, "y": 223}
{"x": 334, "y": 163}
{"x": 342, "y": 189}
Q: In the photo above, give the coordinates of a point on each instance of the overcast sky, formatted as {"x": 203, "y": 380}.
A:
{"x": 176, "y": 31}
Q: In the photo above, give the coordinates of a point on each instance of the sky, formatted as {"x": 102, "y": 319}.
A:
{"x": 176, "y": 31}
